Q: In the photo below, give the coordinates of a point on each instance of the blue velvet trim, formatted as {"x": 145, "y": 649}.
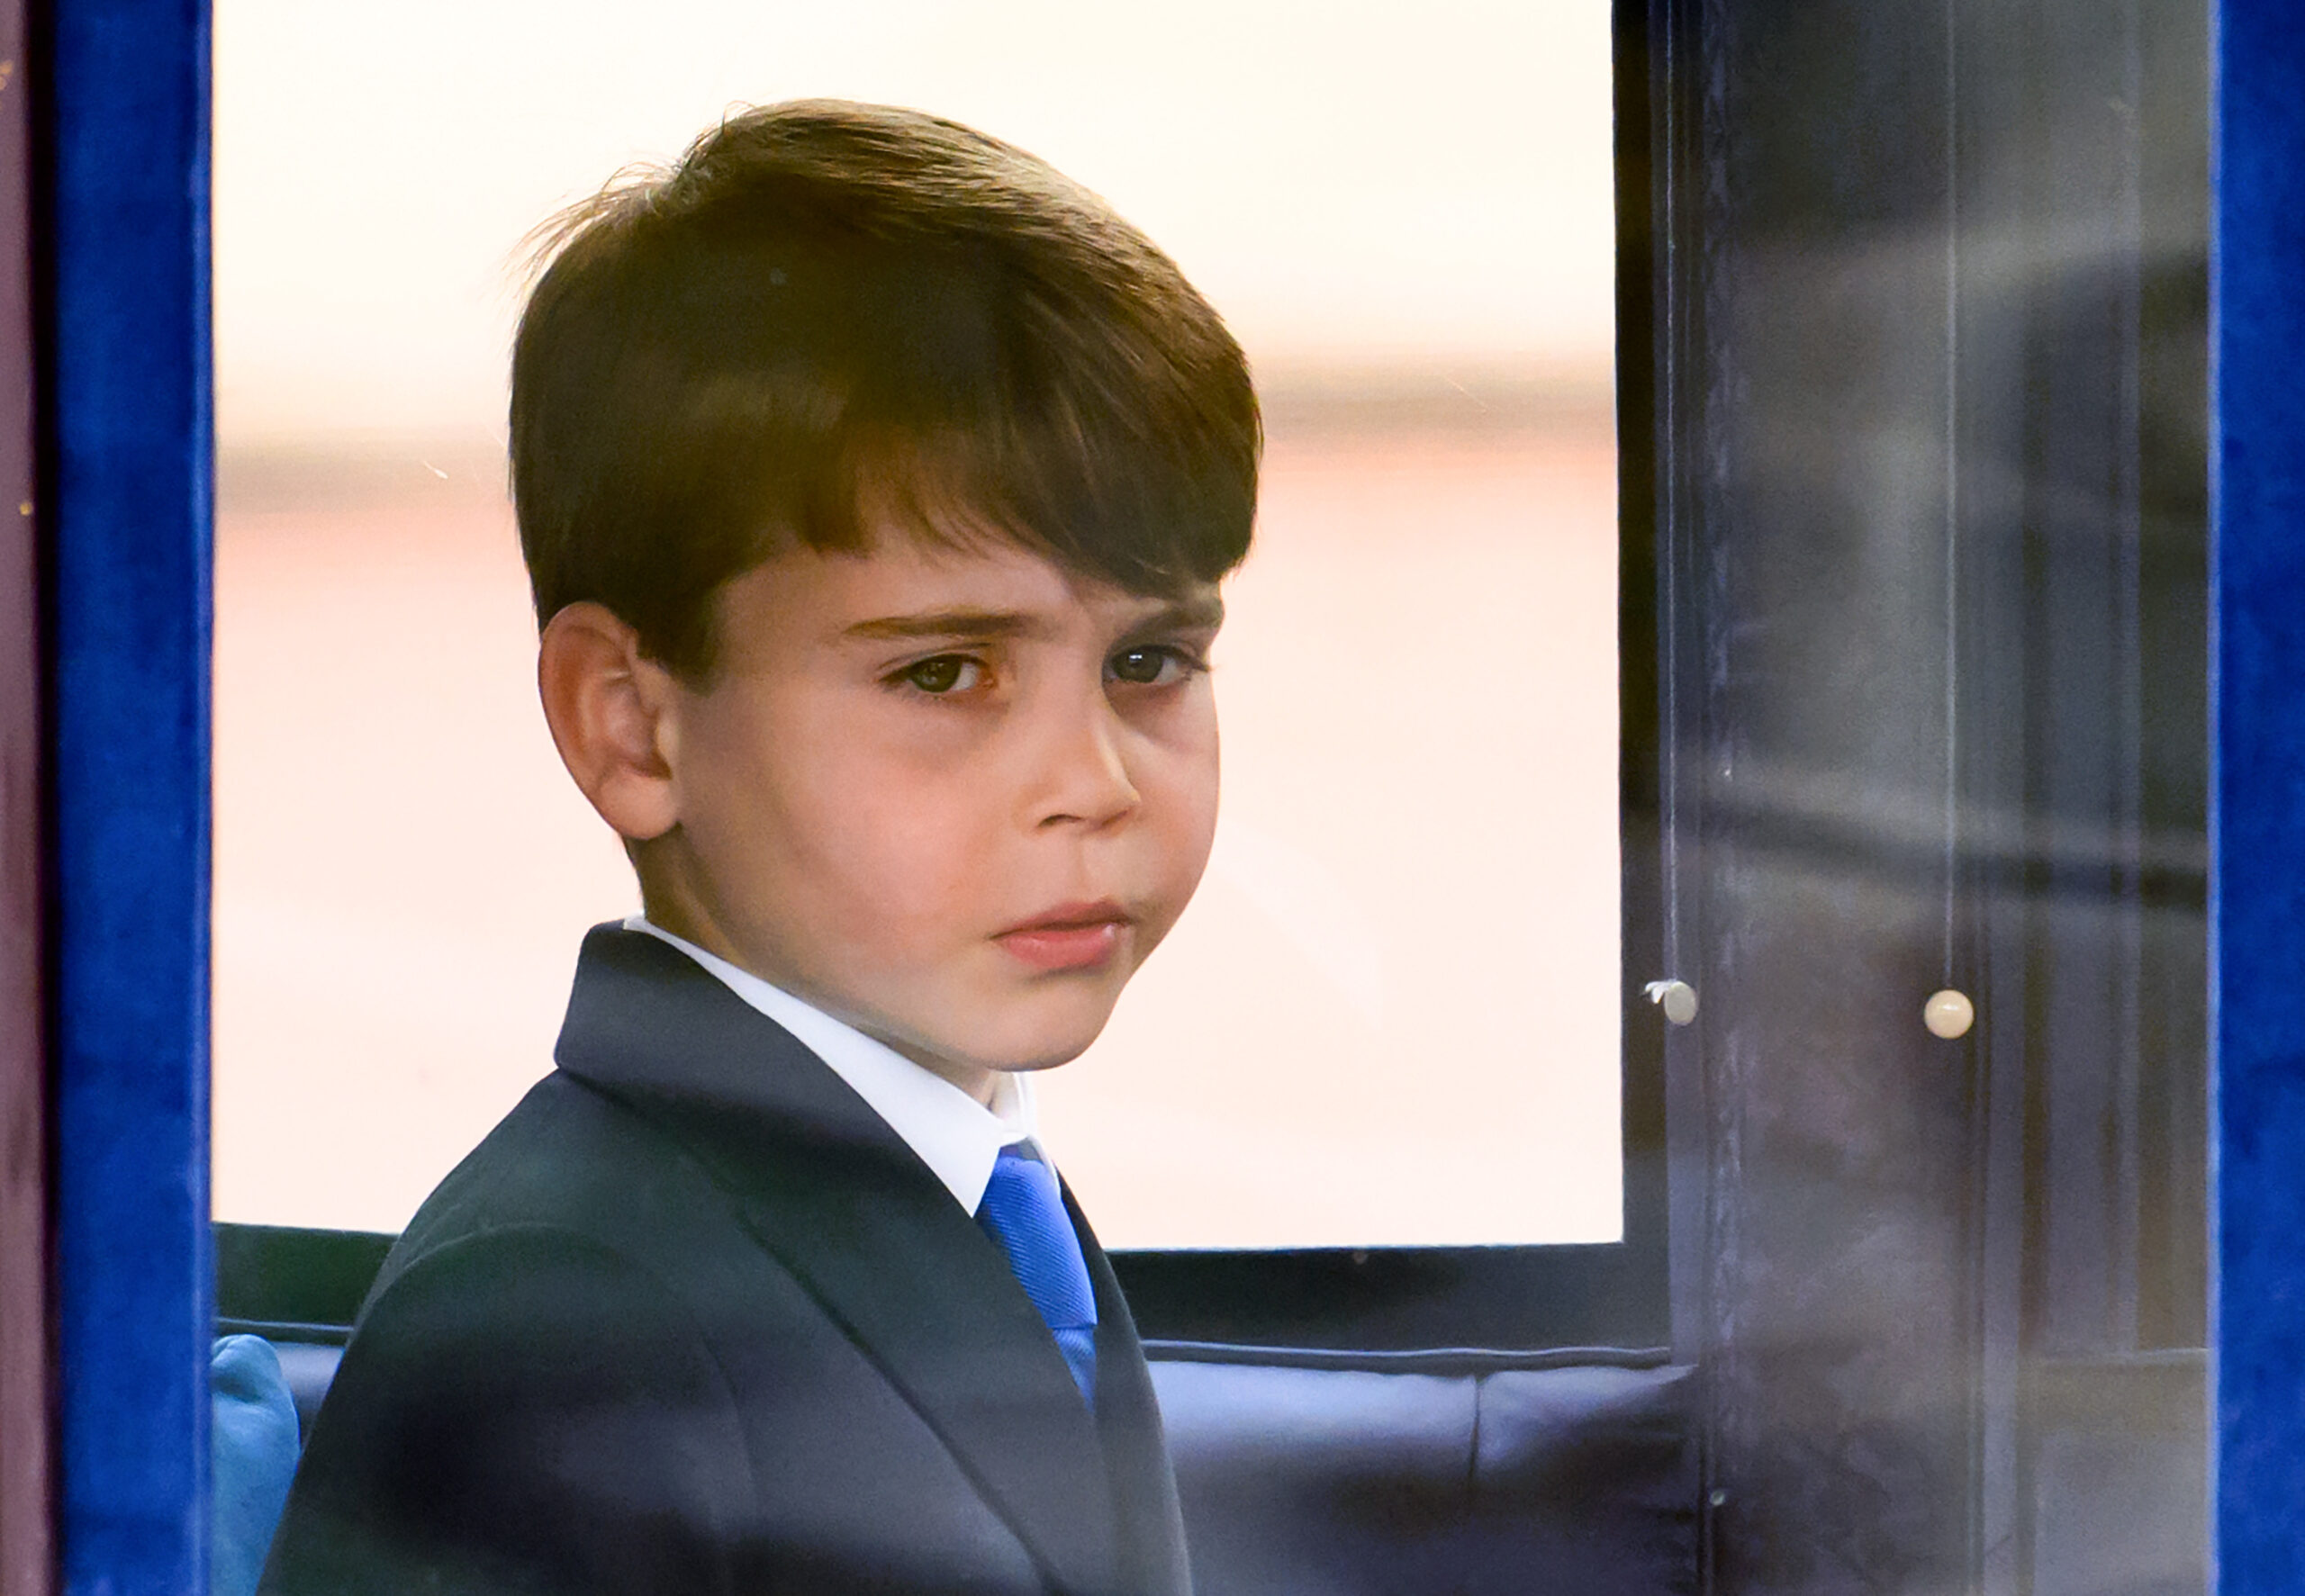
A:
{"x": 127, "y": 512}
{"x": 2258, "y": 842}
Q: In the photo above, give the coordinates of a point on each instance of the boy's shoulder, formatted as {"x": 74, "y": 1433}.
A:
{"x": 681, "y": 1124}
{"x": 565, "y": 1158}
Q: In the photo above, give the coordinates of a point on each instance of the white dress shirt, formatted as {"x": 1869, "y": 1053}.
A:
{"x": 957, "y": 1137}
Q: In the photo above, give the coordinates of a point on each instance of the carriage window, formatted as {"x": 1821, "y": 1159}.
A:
{"x": 1390, "y": 1017}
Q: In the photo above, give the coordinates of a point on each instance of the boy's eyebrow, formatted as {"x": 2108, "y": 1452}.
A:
{"x": 946, "y": 623}
{"x": 1201, "y": 612}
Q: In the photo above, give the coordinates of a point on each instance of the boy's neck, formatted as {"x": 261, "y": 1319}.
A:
{"x": 975, "y": 1080}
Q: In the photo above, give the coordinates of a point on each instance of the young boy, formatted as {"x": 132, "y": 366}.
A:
{"x": 875, "y": 484}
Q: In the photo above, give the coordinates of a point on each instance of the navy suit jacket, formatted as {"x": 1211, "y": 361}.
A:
{"x": 694, "y": 1319}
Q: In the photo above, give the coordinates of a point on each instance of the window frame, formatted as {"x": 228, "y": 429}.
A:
{"x": 1515, "y": 1298}
{"x": 125, "y": 468}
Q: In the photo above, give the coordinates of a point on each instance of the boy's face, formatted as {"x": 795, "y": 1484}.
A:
{"x": 953, "y": 797}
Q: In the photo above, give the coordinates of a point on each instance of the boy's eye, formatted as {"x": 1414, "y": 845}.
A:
{"x": 947, "y": 673}
{"x": 1146, "y": 667}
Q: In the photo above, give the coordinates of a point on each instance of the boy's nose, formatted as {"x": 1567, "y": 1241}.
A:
{"x": 1083, "y": 780}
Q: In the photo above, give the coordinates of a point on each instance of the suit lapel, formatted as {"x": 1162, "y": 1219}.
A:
{"x": 1150, "y": 1523}
{"x": 824, "y": 1184}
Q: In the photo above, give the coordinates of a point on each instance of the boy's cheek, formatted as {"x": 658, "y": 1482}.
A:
{"x": 1188, "y": 809}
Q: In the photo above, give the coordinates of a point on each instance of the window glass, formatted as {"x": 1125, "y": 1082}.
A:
{"x": 1390, "y": 1016}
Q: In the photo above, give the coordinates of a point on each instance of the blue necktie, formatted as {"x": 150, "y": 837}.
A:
{"x": 1024, "y": 1212}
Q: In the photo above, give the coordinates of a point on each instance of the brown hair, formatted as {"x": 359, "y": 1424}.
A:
{"x": 829, "y": 314}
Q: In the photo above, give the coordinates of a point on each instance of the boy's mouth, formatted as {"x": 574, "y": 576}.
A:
{"x": 1071, "y": 936}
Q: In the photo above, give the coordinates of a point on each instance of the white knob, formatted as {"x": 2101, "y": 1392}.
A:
{"x": 1948, "y": 1014}
{"x": 1676, "y": 998}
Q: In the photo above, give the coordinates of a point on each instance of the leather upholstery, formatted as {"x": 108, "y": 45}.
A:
{"x": 1339, "y": 1473}
{"x": 1408, "y": 1475}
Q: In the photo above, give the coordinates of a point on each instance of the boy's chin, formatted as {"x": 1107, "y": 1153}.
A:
{"x": 1028, "y": 1055}
{"x": 1043, "y": 1041}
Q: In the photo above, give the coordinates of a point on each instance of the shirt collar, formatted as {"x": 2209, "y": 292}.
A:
{"x": 957, "y": 1137}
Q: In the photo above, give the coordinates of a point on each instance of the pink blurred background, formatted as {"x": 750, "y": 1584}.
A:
{"x": 1391, "y": 1014}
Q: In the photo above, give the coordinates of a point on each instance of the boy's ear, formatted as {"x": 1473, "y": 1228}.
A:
{"x": 609, "y": 709}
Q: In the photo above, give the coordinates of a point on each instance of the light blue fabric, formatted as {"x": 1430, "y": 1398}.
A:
{"x": 253, "y": 1443}
{"x": 1024, "y": 1210}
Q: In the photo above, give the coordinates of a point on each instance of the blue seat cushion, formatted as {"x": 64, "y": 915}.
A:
{"x": 253, "y": 1445}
